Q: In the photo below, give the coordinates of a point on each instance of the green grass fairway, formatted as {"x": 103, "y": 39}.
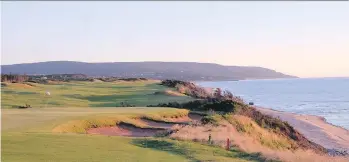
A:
{"x": 27, "y": 137}
{"x": 85, "y": 94}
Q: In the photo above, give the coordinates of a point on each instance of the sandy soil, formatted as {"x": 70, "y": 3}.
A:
{"x": 314, "y": 128}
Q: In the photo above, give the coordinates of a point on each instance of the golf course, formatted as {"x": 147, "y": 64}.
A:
{"x": 27, "y": 135}
{"x": 110, "y": 121}
{"x": 48, "y": 131}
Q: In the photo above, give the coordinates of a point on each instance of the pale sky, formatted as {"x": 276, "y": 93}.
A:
{"x": 306, "y": 39}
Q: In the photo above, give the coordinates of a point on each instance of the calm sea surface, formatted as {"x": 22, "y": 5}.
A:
{"x": 326, "y": 97}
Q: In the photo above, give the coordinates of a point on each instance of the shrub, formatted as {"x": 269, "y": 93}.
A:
{"x": 187, "y": 88}
{"x": 211, "y": 119}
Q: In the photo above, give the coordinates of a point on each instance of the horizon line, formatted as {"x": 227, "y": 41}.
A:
{"x": 135, "y": 62}
{"x": 173, "y": 62}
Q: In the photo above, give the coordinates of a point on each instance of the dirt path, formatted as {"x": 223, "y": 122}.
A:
{"x": 314, "y": 128}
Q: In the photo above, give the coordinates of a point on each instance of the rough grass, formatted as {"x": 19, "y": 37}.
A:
{"x": 264, "y": 136}
{"x": 167, "y": 116}
{"x": 86, "y": 94}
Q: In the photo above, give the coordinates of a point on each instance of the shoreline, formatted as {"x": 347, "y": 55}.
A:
{"x": 314, "y": 128}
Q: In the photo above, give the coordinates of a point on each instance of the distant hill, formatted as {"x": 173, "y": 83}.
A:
{"x": 156, "y": 70}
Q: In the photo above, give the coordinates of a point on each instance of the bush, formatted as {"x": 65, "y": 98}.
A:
{"x": 211, "y": 119}
{"x": 187, "y": 88}
{"x": 219, "y": 105}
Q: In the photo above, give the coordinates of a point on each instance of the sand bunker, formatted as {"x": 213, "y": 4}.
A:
{"x": 125, "y": 129}
{"x": 153, "y": 127}
{"x": 156, "y": 124}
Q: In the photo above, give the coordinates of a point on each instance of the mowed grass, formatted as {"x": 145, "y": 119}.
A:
{"x": 27, "y": 135}
{"x": 86, "y": 94}
{"x": 32, "y": 147}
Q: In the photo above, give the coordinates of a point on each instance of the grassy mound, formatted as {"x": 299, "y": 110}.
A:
{"x": 81, "y": 126}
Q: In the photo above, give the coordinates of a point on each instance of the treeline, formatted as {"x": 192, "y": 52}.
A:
{"x": 43, "y": 79}
{"x": 14, "y": 78}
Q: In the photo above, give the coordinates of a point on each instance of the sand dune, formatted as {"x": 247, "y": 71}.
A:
{"x": 314, "y": 128}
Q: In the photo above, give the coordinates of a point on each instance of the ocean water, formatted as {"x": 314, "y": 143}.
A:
{"x": 326, "y": 97}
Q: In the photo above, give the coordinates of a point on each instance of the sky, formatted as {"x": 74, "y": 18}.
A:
{"x": 306, "y": 39}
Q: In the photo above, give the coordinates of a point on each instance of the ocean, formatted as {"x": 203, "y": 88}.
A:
{"x": 326, "y": 97}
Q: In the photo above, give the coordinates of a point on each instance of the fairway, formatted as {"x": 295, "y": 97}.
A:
{"x": 27, "y": 136}
{"x": 86, "y": 94}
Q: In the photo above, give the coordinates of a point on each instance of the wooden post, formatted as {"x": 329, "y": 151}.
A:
{"x": 209, "y": 138}
{"x": 228, "y": 144}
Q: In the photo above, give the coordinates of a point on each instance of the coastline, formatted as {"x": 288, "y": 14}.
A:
{"x": 315, "y": 128}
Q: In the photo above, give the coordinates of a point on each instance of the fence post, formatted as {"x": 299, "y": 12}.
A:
{"x": 228, "y": 144}
{"x": 209, "y": 138}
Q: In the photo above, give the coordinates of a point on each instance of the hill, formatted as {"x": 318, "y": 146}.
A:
{"x": 154, "y": 70}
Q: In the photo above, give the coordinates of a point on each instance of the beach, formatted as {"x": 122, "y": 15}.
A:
{"x": 315, "y": 128}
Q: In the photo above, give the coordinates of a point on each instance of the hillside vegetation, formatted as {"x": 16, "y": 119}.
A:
{"x": 154, "y": 70}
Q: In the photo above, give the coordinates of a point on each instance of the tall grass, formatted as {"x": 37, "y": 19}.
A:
{"x": 249, "y": 137}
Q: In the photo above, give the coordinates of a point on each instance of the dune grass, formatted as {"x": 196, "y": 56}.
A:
{"x": 266, "y": 137}
{"x": 86, "y": 94}
{"x": 247, "y": 126}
